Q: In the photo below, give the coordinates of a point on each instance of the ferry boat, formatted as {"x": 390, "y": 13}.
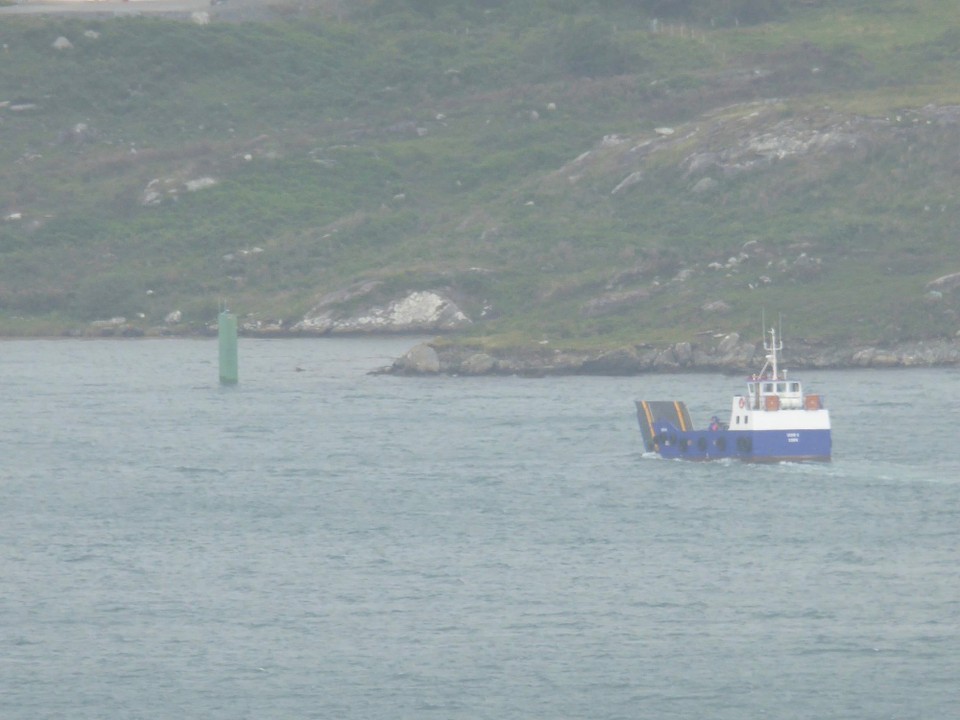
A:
{"x": 773, "y": 421}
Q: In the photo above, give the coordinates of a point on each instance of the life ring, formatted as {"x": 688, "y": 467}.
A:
{"x": 742, "y": 403}
{"x": 744, "y": 444}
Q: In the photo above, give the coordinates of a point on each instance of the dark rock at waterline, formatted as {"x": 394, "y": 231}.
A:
{"x": 421, "y": 359}
{"x": 729, "y": 355}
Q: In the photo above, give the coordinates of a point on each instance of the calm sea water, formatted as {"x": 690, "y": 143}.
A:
{"x": 324, "y": 543}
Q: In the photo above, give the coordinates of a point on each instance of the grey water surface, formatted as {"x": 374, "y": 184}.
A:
{"x": 318, "y": 542}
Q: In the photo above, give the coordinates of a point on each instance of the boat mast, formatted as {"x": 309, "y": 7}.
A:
{"x": 772, "y": 348}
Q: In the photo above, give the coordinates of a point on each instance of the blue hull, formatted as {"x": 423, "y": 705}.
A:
{"x": 748, "y": 446}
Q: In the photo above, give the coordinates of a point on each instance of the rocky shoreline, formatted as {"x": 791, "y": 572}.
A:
{"x": 730, "y": 355}
{"x": 443, "y": 356}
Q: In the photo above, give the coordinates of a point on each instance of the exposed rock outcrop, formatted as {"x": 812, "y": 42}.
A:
{"x": 421, "y": 359}
{"x": 478, "y": 364}
{"x": 158, "y": 190}
{"x": 945, "y": 282}
{"x": 416, "y": 311}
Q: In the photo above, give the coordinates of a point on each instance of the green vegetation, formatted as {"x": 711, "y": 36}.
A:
{"x": 435, "y": 144}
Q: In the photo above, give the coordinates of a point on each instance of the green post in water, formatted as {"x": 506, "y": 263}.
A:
{"x": 227, "y": 327}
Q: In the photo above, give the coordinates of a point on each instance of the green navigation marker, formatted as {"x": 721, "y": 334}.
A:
{"x": 227, "y": 330}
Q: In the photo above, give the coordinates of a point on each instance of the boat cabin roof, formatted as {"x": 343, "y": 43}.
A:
{"x": 769, "y": 386}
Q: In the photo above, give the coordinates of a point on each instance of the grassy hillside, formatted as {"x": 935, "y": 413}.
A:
{"x": 793, "y": 156}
